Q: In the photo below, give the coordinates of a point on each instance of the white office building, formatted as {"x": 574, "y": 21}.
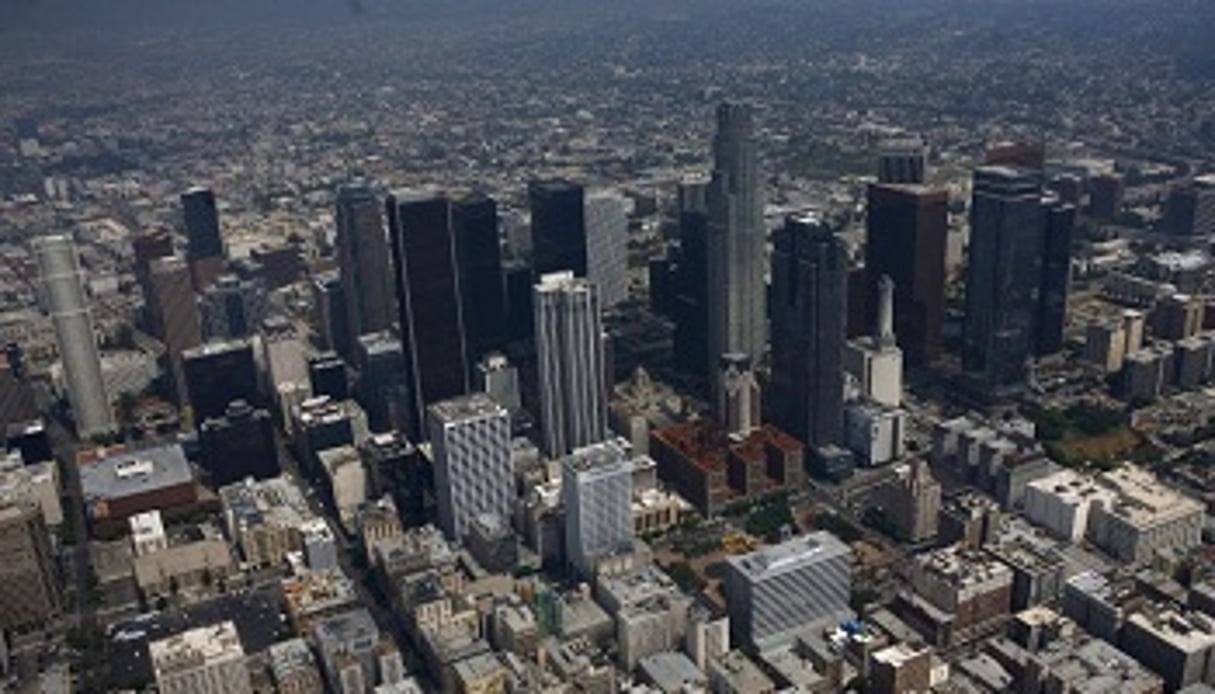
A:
{"x": 474, "y": 475}
{"x": 605, "y": 214}
{"x": 597, "y": 488}
{"x": 570, "y": 349}
{"x": 208, "y": 660}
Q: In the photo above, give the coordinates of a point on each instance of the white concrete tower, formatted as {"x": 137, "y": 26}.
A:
{"x": 59, "y": 266}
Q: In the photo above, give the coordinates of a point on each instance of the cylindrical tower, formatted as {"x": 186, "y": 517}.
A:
{"x": 60, "y": 269}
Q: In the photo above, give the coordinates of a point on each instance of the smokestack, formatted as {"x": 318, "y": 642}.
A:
{"x": 885, "y": 313}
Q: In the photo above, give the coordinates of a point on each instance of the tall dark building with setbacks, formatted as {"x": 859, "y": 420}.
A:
{"x": 204, "y": 243}
{"x": 1056, "y": 277}
{"x": 239, "y": 444}
{"x": 218, "y": 373}
{"x": 364, "y": 263}
{"x": 424, "y": 253}
{"x": 906, "y": 236}
{"x": 691, "y": 305}
{"x": 482, "y": 285}
{"x": 1003, "y": 277}
{"x": 558, "y": 227}
{"x": 809, "y": 312}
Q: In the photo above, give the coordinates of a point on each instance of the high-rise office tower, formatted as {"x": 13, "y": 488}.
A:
{"x": 558, "y": 227}
{"x": 902, "y": 161}
{"x": 1056, "y": 277}
{"x": 239, "y": 444}
{"x": 1190, "y": 210}
{"x": 907, "y": 231}
{"x": 233, "y": 307}
{"x": 147, "y": 247}
{"x": 498, "y": 378}
{"x": 474, "y": 475}
{"x": 737, "y": 241}
{"x": 597, "y": 490}
{"x": 327, "y": 376}
{"x": 482, "y": 285}
{"x": 29, "y": 585}
{"x": 172, "y": 301}
{"x": 204, "y": 243}
{"x": 570, "y": 351}
{"x": 1003, "y": 276}
{"x": 382, "y": 389}
{"x": 217, "y": 373}
{"x": 63, "y": 284}
{"x": 1106, "y": 192}
{"x": 425, "y": 256}
{"x": 519, "y": 313}
{"x": 607, "y": 237}
{"x": 364, "y": 261}
{"x": 692, "y": 281}
{"x": 330, "y": 301}
{"x": 809, "y": 306}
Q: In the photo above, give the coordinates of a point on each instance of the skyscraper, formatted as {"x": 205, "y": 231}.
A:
{"x": 233, "y": 307}
{"x": 429, "y": 299}
{"x": 239, "y": 444}
{"x": 907, "y": 230}
{"x": 692, "y": 281}
{"x": 204, "y": 243}
{"x": 809, "y": 306}
{"x": 382, "y": 390}
{"x": 1003, "y": 276}
{"x": 218, "y": 373}
{"x": 570, "y": 351}
{"x": 1056, "y": 277}
{"x": 902, "y": 161}
{"x": 558, "y": 227}
{"x": 330, "y": 301}
{"x": 149, "y": 246}
{"x": 172, "y": 300}
{"x": 737, "y": 238}
{"x": 73, "y": 318}
{"x": 364, "y": 262}
{"x": 607, "y": 237}
{"x": 482, "y": 284}
{"x": 472, "y": 461}
{"x": 29, "y": 587}
{"x": 597, "y": 490}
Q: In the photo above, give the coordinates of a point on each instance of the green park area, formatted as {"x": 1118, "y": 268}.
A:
{"x": 1086, "y": 434}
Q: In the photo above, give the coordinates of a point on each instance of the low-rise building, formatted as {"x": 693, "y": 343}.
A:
{"x": 208, "y": 660}
{"x": 959, "y": 595}
{"x": 294, "y": 668}
{"x": 119, "y": 486}
{"x": 1145, "y": 517}
{"x": 1178, "y": 647}
{"x": 265, "y": 519}
{"x": 734, "y": 673}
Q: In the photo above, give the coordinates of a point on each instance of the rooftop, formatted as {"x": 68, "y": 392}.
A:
{"x": 474, "y": 406}
{"x": 196, "y": 648}
{"x": 135, "y": 472}
{"x": 776, "y": 559}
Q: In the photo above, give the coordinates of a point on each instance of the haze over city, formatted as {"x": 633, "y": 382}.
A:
{"x": 749, "y": 346}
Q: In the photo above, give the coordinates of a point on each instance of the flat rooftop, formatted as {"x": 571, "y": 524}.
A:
{"x": 135, "y": 472}
{"x": 775, "y": 559}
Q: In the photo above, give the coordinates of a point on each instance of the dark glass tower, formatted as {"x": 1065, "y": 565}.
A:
{"x": 204, "y": 244}
{"x": 558, "y": 227}
{"x": 691, "y": 305}
{"x": 239, "y": 444}
{"x": 483, "y": 287}
{"x": 364, "y": 262}
{"x": 1004, "y": 275}
{"x": 218, "y": 373}
{"x": 907, "y": 231}
{"x": 424, "y": 253}
{"x": 809, "y": 311}
{"x": 1056, "y": 277}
